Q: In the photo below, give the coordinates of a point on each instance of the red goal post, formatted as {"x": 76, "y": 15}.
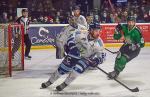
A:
{"x": 11, "y": 48}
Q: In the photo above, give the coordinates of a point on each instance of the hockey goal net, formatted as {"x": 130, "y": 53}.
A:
{"x": 11, "y": 48}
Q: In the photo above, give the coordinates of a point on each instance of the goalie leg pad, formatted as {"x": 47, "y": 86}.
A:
{"x": 59, "y": 50}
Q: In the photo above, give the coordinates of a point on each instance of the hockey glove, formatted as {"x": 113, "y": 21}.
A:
{"x": 118, "y": 28}
{"x": 94, "y": 62}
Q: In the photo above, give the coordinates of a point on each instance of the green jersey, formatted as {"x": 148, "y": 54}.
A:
{"x": 132, "y": 36}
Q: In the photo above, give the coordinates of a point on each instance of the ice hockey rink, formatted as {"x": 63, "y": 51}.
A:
{"x": 92, "y": 83}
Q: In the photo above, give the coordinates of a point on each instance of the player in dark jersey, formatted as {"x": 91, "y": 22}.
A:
{"x": 132, "y": 45}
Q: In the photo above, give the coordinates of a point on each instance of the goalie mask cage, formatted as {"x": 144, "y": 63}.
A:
{"x": 11, "y": 48}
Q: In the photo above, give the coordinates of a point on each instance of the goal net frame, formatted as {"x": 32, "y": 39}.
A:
{"x": 7, "y": 43}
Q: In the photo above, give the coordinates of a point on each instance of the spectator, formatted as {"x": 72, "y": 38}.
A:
{"x": 112, "y": 19}
{"x": 46, "y": 20}
{"x": 89, "y": 18}
{"x": 11, "y": 19}
{"x": 58, "y": 16}
{"x": 96, "y": 18}
{"x": 4, "y": 18}
{"x": 105, "y": 18}
{"x": 124, "y": 17}
{"x": 41, "y": 19}
{"x": 116, "y": 18}
{"x": 35, "y": 21}
{"x": 137, "y": 7}
{"x": 51, "y": 21}
{"x": 146, "y": 17}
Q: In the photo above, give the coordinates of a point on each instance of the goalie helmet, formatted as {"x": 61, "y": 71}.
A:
{"x": 73, "y": 22}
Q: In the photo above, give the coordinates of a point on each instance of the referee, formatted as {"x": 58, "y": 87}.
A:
{"x": 25, "y": 21}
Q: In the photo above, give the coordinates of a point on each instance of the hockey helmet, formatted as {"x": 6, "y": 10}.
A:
{"x": 76, "y": 7}
{"x": 131, "y": 18}
{"x": 72, "y": 21}
{"x": 95, "y": 25}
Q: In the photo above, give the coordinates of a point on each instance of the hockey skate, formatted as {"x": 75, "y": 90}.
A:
{"x": 61, "y": 87}
{"x": 28, "y": 57}
{"x": 113, "y": 74}
{"x": 45, "y": 85}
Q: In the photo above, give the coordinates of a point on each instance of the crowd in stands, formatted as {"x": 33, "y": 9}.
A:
{"x": 45, "y": 13}
{"x": 140, "y": 9}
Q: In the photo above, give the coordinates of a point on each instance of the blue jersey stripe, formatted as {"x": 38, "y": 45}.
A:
{"x": 99, "y": 42}
{"x": 65, "y": 67}
{"x": 83, "y": 64}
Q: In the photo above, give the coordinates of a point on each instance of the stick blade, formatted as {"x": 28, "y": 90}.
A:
{"x": 135, "y": 89}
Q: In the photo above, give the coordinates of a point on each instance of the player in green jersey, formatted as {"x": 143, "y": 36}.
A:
{"x": 133, "y": 42}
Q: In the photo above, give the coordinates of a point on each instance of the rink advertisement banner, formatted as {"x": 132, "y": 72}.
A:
{"x": 44, "y": 34}
{"x": 40, "y": 35}
{"x": 108, "y": 31}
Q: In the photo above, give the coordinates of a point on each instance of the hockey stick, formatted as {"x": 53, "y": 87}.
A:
{"x": 132, "y": 90}
{"x": 111, "y": 51}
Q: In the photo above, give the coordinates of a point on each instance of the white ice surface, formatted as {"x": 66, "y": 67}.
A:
{"x": 91, "y": 84}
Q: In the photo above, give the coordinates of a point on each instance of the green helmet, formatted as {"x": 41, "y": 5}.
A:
{"x": 131, "y": 18}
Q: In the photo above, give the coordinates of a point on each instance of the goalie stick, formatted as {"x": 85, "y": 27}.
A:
{"x": 132, "y": 90}
{"x": 53, "y": 44}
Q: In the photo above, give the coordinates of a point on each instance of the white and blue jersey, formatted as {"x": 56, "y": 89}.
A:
{"x": 62, "y": 38}
{"x": 81, "y": 22}
{"x": 94, "y": 50}
{"x": 80, "y": 47}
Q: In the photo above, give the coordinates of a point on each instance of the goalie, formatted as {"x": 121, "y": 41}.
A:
{"x": 61, "y": 39}
{"x": 83, "y": 51}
